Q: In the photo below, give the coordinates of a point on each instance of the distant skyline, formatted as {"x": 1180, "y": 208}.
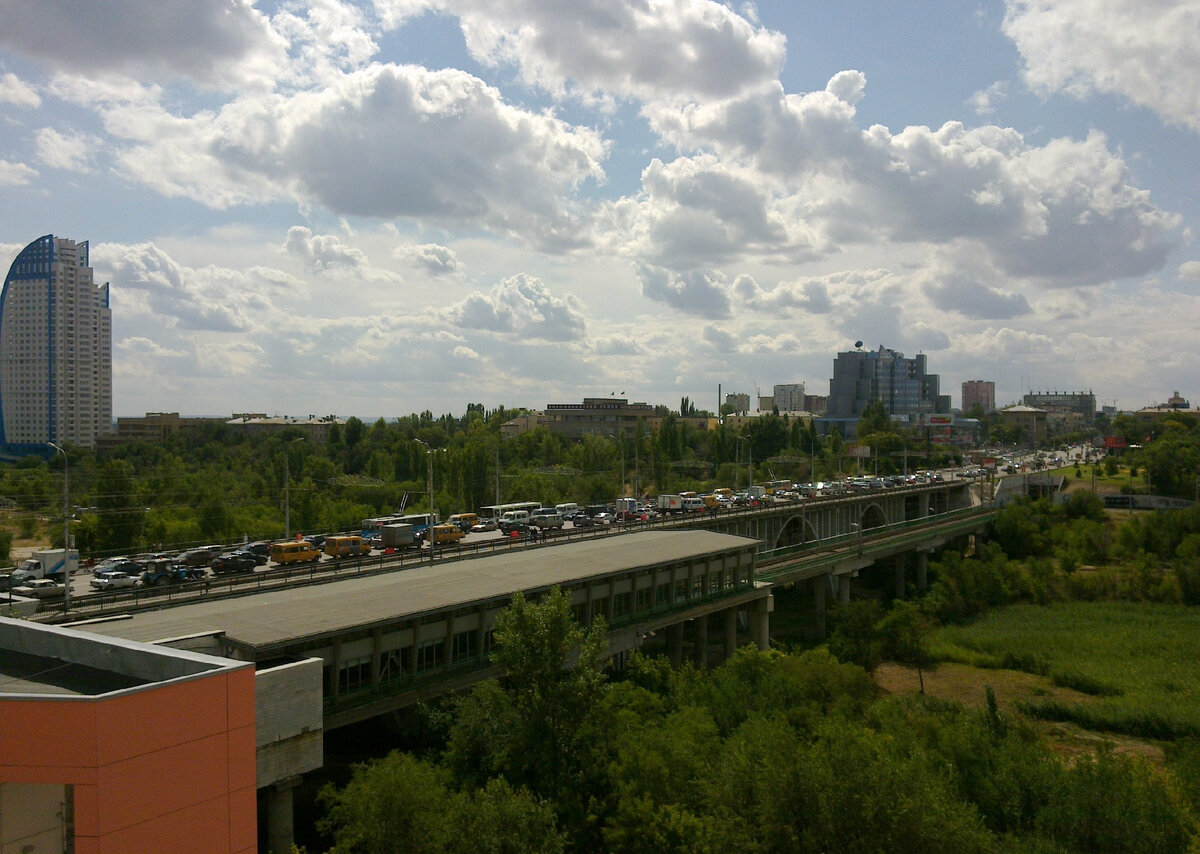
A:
{"x": 389, "y": 206}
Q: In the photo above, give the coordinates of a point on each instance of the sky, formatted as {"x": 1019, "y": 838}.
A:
{"x": 381, "y": 207}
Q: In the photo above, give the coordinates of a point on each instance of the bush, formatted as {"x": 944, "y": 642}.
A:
{"x": 6, "y": 539}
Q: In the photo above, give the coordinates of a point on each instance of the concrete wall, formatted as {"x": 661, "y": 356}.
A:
{"x": 289, "y": 715}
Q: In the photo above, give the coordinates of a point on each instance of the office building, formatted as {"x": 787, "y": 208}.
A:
{"x": 1082, "y": 403}
{"x": 55, "y": 349}
{"x": 981, "y": 393}
{"x": 904, "y": 386}
{"x": 789, "y": 397}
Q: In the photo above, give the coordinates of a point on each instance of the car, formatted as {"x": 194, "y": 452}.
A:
{"x": 41, "y": 588}
{"x": 546, "y": 517}
{"x": 603, "y": 520}
{"x": 115, "y": 579}
{"x": 259, "y": 558}
{"x": 260, "y": 548}
{"x": 200, "y": 556}
{"x": 125, "y": 565}
{"x": 483, "y": 526}
{"x": 233, "y": 562}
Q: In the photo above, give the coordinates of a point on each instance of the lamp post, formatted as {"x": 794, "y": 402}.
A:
{"x": 66, "y": 528}
{"x": 621, "y": 444}
{"x": 429, "y": 529}
{"x": 287, "y": 488}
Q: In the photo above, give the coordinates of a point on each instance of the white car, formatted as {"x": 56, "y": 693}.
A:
{"x": 115, "y": 580}
{"x": 483, "y": 525}
{"x": 41, "y": 588}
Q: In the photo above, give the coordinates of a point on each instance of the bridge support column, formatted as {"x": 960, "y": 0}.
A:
{"x": 818, "y": 589}
{"x": 335, "y": 667}
{"x": 675, "y": 644}
{"x": 730, "y": 632}
{"x": 700, "y": 634}
{"x": 901, "y": 570}
{"x": 760, "y": 624}
{"x": 376, "y": 653}
{"x": 280, "y": 833}
{"x": 922, "y": 571}
{"x": 844, "y": 588}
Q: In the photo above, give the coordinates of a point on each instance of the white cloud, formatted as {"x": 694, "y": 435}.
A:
{"x": 521, "y": 305}
{"x": 1064, "y": 213}
{"x": 702, "y": 293}
{"x": 13, "y": 174}
{"x": 656, "y": 49}
{"x": 384, "y": 141}
{"x": 984, "y": 101}
{"x": 72, "y": 153}
{"x": 15, "y": 91}
{"x": 1142, "y": 51}
{"x": 432, "y": 258}
{"x": 223, "y": 43}
{"x": 139, "y": 346}
{"x": 1189, "y": 271}
{"x": 322, "y": 251}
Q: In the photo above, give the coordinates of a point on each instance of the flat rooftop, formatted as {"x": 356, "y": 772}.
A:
{"x": 41, "y": 660}
{"x": 275, "y": 617}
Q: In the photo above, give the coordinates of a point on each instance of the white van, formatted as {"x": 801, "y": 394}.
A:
{"x": 513, "y": 519}
{"x": 568, "y": 510}
{"x": 695, "y": 504}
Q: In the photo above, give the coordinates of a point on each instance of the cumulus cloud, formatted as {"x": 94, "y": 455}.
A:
{"x": 1189, "y": 271}
{"x": 719, "y": 339}
{"x": 661, "y": 49}
{"x": 72, "y": 153}
{"x": 148, "y": 280}
{"x": 432, "y": 258}
{"x": 984, "y": 101}
{"x": 15, "y": 91}
{"x": 136, "y": 345}
{"x": 383, "y": 141}
{"x": 524, "y": 306}
{"x": 1143, "y": 52}
{"x": 321, "y": 251}
{"x": 1065, "y": 213}
{"x": 13, "y": 174}
{"x": 699, "y": 292}
{"x": 222, "y": 43}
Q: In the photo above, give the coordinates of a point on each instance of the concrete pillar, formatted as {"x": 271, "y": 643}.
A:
{"x": 376, "y": 653}
{"x": 449, "y": 638}
{"x": 335, "y": 666}
{"x": 700, "y": 634}
{"x": 760, "y": 624}
{"x": 675, "y": 644}
{"x": 901, "y": 567}
{"x": 280, "y": 834}
{"x": 587, "y": 606}
{"x": 818, "y": 589}
{"x": 922, "y": 571}
{"x": 730, "y": 632}
{"x": 844, "y": 588}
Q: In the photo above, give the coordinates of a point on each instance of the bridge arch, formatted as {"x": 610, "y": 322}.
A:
{"x": 796, "y": 531}
{"x": 873, "y": 516}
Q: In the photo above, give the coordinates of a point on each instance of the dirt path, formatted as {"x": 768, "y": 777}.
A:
{"x": 967, "y": 685}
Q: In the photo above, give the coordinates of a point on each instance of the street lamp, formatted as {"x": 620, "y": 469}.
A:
{"x": 621, "y": 443}
{"x": 66, "y": 528}
{"x": 429, "y": 529}
{"x": 287, "y": 487}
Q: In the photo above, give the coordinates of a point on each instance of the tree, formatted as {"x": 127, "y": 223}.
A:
{"x": 905, "y": 631}
{"x": 874, "y": 419}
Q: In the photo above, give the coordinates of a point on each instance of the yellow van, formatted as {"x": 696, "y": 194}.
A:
{"x": 350, "y": 545}
{"x": 294, "y": 551}
{"x": 445, "y": 533}
{"x": 463, "y": 521}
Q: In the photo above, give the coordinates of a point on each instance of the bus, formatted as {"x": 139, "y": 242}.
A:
{"x": 495, "y": 511}
{"x": 371, "y": 528}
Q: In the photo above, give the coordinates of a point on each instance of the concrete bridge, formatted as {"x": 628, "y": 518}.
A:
{"x": 355, "y": 648}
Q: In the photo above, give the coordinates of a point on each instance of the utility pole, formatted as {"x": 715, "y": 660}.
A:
{"x": 66, "y": 530}
{"x": 429, "y": 529}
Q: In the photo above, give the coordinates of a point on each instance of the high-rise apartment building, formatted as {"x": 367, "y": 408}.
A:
{"x": 789, "y": 397}
{"x": 55, "y": 349}
{"x": 981, "y": 393}
{"x": 902, "y": 385}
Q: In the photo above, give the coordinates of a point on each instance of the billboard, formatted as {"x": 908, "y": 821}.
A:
{"x": 1114, "y": 441}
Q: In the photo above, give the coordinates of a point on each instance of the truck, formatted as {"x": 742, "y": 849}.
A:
{"x": 397, "y": 536}
{"x": 163, "y": 571}
{"x": 670, "y": 504}
{"x": 45, "y": 563}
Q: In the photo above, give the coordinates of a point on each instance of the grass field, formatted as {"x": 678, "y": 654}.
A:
{"x": 1136, "y": 663}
